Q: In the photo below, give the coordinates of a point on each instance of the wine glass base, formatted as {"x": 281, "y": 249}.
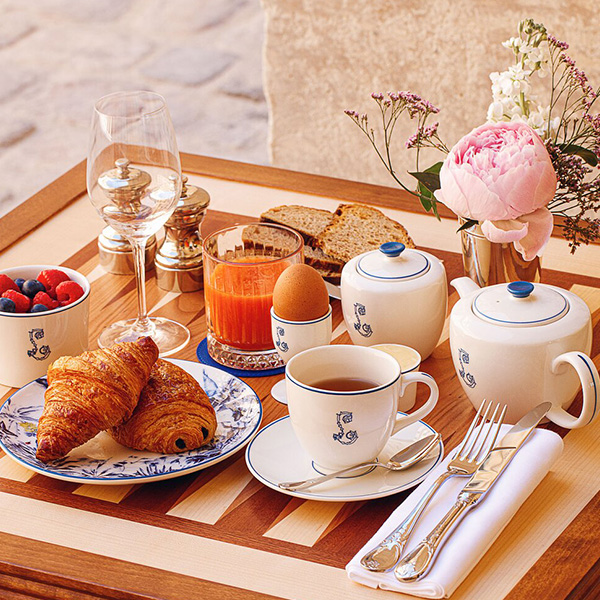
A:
{"x": 169, "y": 336}
{"x": 278, "y": 392}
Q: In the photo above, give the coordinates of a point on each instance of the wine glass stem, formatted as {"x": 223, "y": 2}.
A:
{"x": 143, "y": 323}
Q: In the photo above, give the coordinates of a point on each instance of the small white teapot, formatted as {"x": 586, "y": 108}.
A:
{"x": 514, "y": 344}
{"x": 395, "y": 295}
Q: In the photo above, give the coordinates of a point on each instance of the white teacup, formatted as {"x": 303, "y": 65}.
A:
{"x": 31, "y": 341}
{"x": 339, "y": 429}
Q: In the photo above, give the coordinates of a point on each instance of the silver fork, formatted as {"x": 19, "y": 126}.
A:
{"x": 470, "y": 454}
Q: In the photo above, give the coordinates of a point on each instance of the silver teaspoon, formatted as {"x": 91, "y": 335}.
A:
{"x": 407, "y": 457}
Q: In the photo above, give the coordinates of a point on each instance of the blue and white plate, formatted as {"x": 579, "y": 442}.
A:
{"x": 104, "y": 461}
{"x": 275, "y": 455}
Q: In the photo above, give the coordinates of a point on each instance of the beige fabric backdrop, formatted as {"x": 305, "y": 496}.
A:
{"x": 323, "y": 56}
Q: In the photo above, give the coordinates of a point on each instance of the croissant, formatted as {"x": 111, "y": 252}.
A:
{"x": 174, "y": 414}
{"x": 92, "y": 392}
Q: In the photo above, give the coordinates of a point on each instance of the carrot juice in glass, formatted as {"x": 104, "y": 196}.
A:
{"x": 241, "y": 266}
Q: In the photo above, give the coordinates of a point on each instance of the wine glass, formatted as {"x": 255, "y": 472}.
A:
{"x": 134, "y": 182}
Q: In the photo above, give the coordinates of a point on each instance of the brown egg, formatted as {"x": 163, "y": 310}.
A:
{"x": 300, "y": 294}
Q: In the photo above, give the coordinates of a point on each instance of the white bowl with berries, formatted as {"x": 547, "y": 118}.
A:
{"x": 44, "y": 312}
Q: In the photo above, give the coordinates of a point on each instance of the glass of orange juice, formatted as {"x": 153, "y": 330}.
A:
{"x": 241, "y": 266}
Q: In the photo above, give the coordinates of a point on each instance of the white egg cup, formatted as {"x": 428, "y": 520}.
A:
{"x": 292, "y": 337}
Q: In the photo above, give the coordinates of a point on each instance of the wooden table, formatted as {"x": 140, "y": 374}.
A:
{"x": 219, "y": 533}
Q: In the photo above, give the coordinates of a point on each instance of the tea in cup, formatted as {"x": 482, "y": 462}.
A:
{"x": 343, "y": 403}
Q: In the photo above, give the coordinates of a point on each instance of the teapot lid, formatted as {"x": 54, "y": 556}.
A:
{"x": 393, "y": 262}
{"x": 520, "y": 303}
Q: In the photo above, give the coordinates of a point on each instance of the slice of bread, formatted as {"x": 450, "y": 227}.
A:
{"x": 357, "y": 228}
{"x": 330, "y": 276}
{"x": 308, "y": 222}
{"x": 257, "y": 237}
{"x": 315, "y": 257}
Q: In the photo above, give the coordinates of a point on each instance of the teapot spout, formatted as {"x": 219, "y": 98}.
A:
{"x": 464, "y": 286}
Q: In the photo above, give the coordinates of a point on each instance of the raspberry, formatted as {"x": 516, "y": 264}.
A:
{"x": 67, "y": 292}
{"x": 6, "y": 283}
{"x": 50, "y": 278}
{"x": 22, "y": 303}
{"x": 43, "y": 298}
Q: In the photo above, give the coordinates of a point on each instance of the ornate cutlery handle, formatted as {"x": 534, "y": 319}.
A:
{"x": 388, "y": 552}
{"x": 417, "y": 562}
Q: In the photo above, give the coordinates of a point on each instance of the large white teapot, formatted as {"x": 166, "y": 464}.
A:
{"x": 523, "y": 344}
{"x": 395, "y": 295}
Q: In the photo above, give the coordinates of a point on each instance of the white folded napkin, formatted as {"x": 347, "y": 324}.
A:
{"x": 479, "y": 528}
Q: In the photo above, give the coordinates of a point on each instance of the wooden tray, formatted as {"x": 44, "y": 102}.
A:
{"x": 252, "y": 541}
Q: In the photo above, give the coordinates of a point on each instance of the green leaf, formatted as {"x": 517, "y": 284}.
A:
{"x": 430, "y": 179}
{"x": 428, "y": 200}
{"x": 434, "y": 168}
{"x": 468, "y": 223}
{"x": 587, "y": 155}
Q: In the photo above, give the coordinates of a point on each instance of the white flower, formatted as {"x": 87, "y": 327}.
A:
{"x": 513, "y": 43}
{"x": 495, "y": 112}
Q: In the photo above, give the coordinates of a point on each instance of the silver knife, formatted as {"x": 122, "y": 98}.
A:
{"x": 418, "y": 561}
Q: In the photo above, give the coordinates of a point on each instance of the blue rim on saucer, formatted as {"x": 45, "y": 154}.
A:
{"x": 205, "y": 358}
{"x": 275, "y": 449}
{"x": 104, "y": 461}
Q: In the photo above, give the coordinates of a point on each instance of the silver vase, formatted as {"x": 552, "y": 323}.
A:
{"x": 488, "y": 263}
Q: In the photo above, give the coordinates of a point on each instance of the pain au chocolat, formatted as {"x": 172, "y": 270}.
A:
{"x": 174, "y": 414}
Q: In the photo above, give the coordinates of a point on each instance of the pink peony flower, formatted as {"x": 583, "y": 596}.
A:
{"x": 501, "y": 175}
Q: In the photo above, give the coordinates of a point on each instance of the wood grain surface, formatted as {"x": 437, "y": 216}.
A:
{"x": 219, "y": 533}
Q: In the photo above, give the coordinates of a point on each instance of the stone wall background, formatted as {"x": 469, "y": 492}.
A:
{"x": 326, "y": 56}
{"x": 58, "y": 56}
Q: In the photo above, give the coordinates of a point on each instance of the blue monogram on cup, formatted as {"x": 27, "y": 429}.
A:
{"x": 345, "y": 437}
{"x": 38, "y": 352}
{"x": 463, "y": 359}
{"x": 363, "y": 328}
{"x": 281, "y": 345}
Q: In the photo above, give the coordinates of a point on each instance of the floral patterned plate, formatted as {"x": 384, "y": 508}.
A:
{"x": 104, "y": 461}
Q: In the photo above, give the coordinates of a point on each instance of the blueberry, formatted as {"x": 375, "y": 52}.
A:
{"x": 20, "y": 281}
{"x": 31, "y": 287}
{"x": 39, "y": 308}
{"x": 7, "y": 305}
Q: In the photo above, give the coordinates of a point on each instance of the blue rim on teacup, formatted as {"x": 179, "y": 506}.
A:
{"x": 335, "y": 348}
{"x": 280, "y": 320}
{"x": 13, "y": 272}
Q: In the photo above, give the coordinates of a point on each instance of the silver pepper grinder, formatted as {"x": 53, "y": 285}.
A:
{"x": 125, "y": 186}
{"x": 179, "y": 259}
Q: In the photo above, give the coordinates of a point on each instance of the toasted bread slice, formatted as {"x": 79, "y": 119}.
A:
{"x": 357, "y": 228}
{"x": 255, "y": 236}
{"x": 315, "y": 257}
{"x": 308, "y": 222}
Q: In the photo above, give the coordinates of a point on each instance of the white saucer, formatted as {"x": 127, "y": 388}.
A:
{"x": 275, "y": 455}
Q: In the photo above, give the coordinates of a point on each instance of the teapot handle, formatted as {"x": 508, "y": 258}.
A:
{"x": 590, "y": 383}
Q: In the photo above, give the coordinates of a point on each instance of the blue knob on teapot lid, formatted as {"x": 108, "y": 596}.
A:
{"x": 520, "y": 289}
{"x": 392, "y": 249}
